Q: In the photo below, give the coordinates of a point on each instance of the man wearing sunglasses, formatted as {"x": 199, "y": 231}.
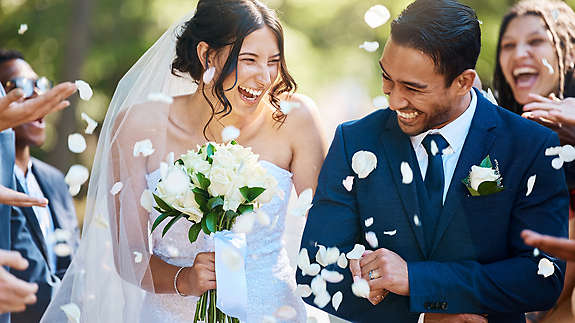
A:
{"x": 15, "y": 294}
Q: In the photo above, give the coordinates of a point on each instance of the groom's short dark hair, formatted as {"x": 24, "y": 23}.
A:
{"x": 446, "y": 30}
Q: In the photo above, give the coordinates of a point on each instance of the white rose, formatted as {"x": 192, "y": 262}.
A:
{"x": 175, "y": 183}
{"x": 479, "y": 175}
{"x": 221, "y": 180}
{"x": 196, "y": 163}
{"x": 233, "y": 199}
{"x": 363, "y": 163}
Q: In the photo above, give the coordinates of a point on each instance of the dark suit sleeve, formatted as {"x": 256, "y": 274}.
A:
{"x": 37, "y": 271}
{"x": 333, "y": 221}
{"x": 511, "y": 285}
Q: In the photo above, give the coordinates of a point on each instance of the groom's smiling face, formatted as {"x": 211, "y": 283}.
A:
{"x": 417, "y": 92}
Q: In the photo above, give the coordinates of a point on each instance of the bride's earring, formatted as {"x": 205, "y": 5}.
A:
{"x": 209, "y": 75}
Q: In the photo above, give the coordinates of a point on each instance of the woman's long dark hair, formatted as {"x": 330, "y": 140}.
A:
{"x": 560, "y": 21}
{"x": 222, "y": 23}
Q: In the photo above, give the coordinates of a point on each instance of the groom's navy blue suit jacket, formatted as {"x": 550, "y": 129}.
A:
{"x": 478, "y": 262}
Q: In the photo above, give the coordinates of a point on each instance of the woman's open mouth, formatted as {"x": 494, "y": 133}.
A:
{"x": 525, "y": 77}
{"x": 249, "y": 95}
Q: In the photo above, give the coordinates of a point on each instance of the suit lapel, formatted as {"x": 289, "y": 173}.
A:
{"x": 477, "y": 144}
{"x": 55, "y": 208}
{"x": 34, "y": 226}
{"x": 398, "y": 149}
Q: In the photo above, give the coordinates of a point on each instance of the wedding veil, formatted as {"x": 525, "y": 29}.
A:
{"x": 109, "y": 275}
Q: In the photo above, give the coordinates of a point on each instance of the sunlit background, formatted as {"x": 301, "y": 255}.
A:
{"x": 99, "y": 40}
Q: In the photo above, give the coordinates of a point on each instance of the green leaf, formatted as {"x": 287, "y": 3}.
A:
{"x": 251, "y": 193}
{"x": 163, "y": 205}
{"x": 194, "y": 231}
{"x": 488, "y": 188}
{"x": 211, "y": 220}
{"x": 233, "y": 142}
{"x": 202, "y": 192}
{"x": 159, "y": 220}
{"x": 205, "y": 226}
{"x": 171, "y": 223}
{"x": 179, "y": 161}
{"x": 210, "y": 150}
{"x": 214, "y": 202}
{"x": 204, "y": 182}
{"x": 202, "y": 202}
{"x": 243, "y": 208}
{"x": 486, "y": 163}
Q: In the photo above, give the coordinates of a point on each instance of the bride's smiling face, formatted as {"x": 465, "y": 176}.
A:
{"x": 257, "y": 69}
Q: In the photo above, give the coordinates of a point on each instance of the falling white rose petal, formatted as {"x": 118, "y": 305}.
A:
{"x": 557, "y": 163}
{"x": 434, "y": 148}
{"x": 416, "y": 220}
{"x": 567, "y": 153}
{"x": 209, "y": 75}
{"x": 287, "y": 106}
{"x": 303, "y": 259}
{"x": 342, "y": 261}
{"x": 116, "y": 188}
{"x": 138, "y": 257}
{"x": 147, "y": 200}
{"x": 326, "y": 257}
{"x": 286, "y": 313}
{"x": 143, "y": 148}
{"x": 76, "y": 143}
{"x": 303, "y": 203}
{"x": 348, "y": 183}
{"x": 370, "y": 46}
{"x": 406, "y": 173}
{"x": 368, "y": 222}
{"x": 363, "y": 163}
{"x": 322, "y": 299}
{"x": 376, "y": 16}
{"x": 160, "y": 97}
{"x": 313, "y": 269}
{"x": 76, "y": 176}
{"x": 62, "y": 235}
{"x": 92, "y": 124}
{"x": 336, "y": 300}
{"x": 84, "y": 89}
{"x": 549, "y": 67}
{"x": 553, "y": 151}
{"x": 546, "y": 268}
{"x": 390, "y": 233}
{"x": 371, "y": 238}
{"x": 536, "y": 252}
{"x": 230, "y": 133}
{"x": 357, "y": 252}
{"x": 245, "y": 223}
{"x": 360, "y": 288}
{"x": 62, "y": 250}
{"x": 303, "y": 291}
{"x": 380, "y": 102}
{"x": 318, "y": 285}
{"x": 530, "y": 183}
{"x": 22, "y": 29}
{"x": 331, "y": 276}
{"x": 72, "y": 312}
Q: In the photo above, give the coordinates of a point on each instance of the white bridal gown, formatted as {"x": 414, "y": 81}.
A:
{"x": 270, "y": 278}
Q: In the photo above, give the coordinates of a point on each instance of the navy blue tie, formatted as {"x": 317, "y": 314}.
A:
{"x": 434, "y": 181}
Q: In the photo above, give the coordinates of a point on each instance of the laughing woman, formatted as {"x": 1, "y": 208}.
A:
{"x": 534, "y": 77}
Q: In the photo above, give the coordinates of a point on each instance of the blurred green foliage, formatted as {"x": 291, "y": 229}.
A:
{"x": 322, "y": 39}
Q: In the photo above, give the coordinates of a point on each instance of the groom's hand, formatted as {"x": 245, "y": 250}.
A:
{"x": 454, "y": 318}
{"x": 388, "y": 272}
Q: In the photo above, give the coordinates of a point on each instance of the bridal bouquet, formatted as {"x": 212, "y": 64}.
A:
{"x": 211, "y": 187}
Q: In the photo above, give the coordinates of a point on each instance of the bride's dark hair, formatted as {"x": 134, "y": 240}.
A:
{"x": 222, "y": 23}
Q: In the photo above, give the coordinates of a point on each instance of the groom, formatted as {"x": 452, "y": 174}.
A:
{"x": 441, "y": 251}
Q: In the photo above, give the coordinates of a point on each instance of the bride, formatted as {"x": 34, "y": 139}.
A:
{"x": 231, "y": 53}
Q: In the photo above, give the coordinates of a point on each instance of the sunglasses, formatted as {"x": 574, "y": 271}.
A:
{"x": 28, "y": 85}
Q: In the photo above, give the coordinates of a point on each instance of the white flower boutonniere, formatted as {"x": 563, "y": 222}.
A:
{"x": 484, "y": 179}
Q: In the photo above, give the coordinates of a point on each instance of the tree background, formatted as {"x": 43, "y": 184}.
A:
{"x": 99, "y": 40}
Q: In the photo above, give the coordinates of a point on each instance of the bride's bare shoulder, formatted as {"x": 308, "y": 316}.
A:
{"x": 303, "y": 113}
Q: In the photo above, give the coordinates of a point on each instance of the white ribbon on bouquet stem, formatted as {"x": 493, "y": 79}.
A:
{"x": 231, "y": 282}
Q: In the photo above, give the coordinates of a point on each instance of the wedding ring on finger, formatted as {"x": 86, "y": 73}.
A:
{"x": 371, "y": 275}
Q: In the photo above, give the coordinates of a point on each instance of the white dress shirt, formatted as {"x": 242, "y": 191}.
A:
{"x": 455, "y": 134}
{"x": 43, "y": 214}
